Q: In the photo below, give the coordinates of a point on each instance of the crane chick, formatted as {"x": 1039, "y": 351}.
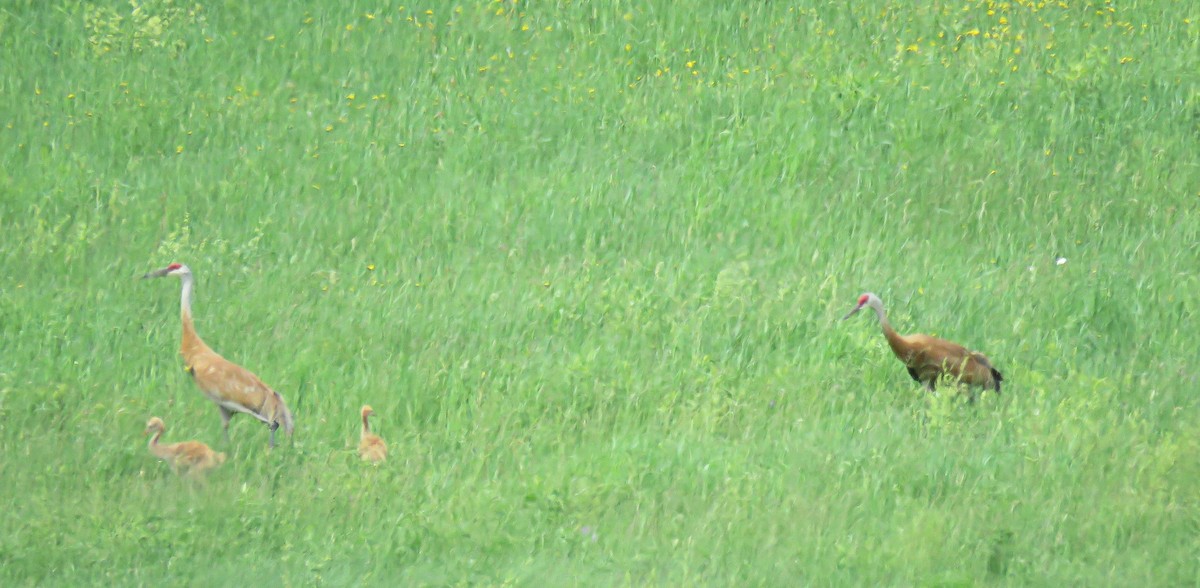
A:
{"x": 230, "y": 386}
{"x": 186, "y": 458}
{"x": 929, "y": 358}
{"x": 370, "y": 447}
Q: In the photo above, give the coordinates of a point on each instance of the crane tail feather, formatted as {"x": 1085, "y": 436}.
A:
{"x": 282, "y": 415}
{"x": 997, "y": 378}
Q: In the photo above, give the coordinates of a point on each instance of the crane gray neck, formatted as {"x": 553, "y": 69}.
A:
{"x": 877, "y": 305}
{"x": 185, "y": 301}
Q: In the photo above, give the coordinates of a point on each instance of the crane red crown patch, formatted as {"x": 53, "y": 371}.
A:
{"x": 174, "y": 266}
{"x": 863, "y": 299}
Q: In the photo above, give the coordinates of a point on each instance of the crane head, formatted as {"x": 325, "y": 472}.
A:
{"x": 175, "y": 269}
{"x": 867, "y": 299}
{"x": 367, "y": 411}
{"x": 154, "y": 425}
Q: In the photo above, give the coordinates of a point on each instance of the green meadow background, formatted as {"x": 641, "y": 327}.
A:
{"x": 587, "y": 261}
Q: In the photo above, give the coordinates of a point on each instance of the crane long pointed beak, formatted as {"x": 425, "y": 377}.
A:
{"x": 156, "y": 274}
{"x": 851, "y": 313}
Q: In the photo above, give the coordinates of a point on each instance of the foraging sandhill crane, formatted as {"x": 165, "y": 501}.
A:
{"x": 929, "y": 358}
{"x": 370, "y": 446}
{"x": 191, "y": 458}
{"x": 232, "y": 387}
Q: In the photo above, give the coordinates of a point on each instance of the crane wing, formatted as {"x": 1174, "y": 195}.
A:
{"x": 931, "y": 357}
{"x": 191, "y": 452}
{"x": 228, "y": 384}
{"x": 924, "y": 352}
{"x": 372, "y": 448}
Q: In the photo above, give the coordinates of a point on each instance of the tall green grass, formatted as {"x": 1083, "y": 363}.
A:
{"x": 586, "y": 261}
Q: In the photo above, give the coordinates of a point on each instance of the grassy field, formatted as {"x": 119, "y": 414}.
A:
{"x": 586, "y": 261}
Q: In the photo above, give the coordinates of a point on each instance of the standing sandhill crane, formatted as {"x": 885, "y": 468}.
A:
{"x": 191, "y": 458}
{"x": 232, "y": 387}
{"x": 370, "y": 447}
{"x": 929, "y": 358}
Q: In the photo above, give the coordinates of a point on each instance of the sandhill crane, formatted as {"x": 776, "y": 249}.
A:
{"x": 191, "y": 458}
{"x": 232, "y": 387}
{"x": 929, "y": 358}
{"x": 370, "y": 446}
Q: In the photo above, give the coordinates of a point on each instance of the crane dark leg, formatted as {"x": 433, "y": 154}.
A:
{"x": 274, "y": 425}
{"x": 225, "y": 415}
